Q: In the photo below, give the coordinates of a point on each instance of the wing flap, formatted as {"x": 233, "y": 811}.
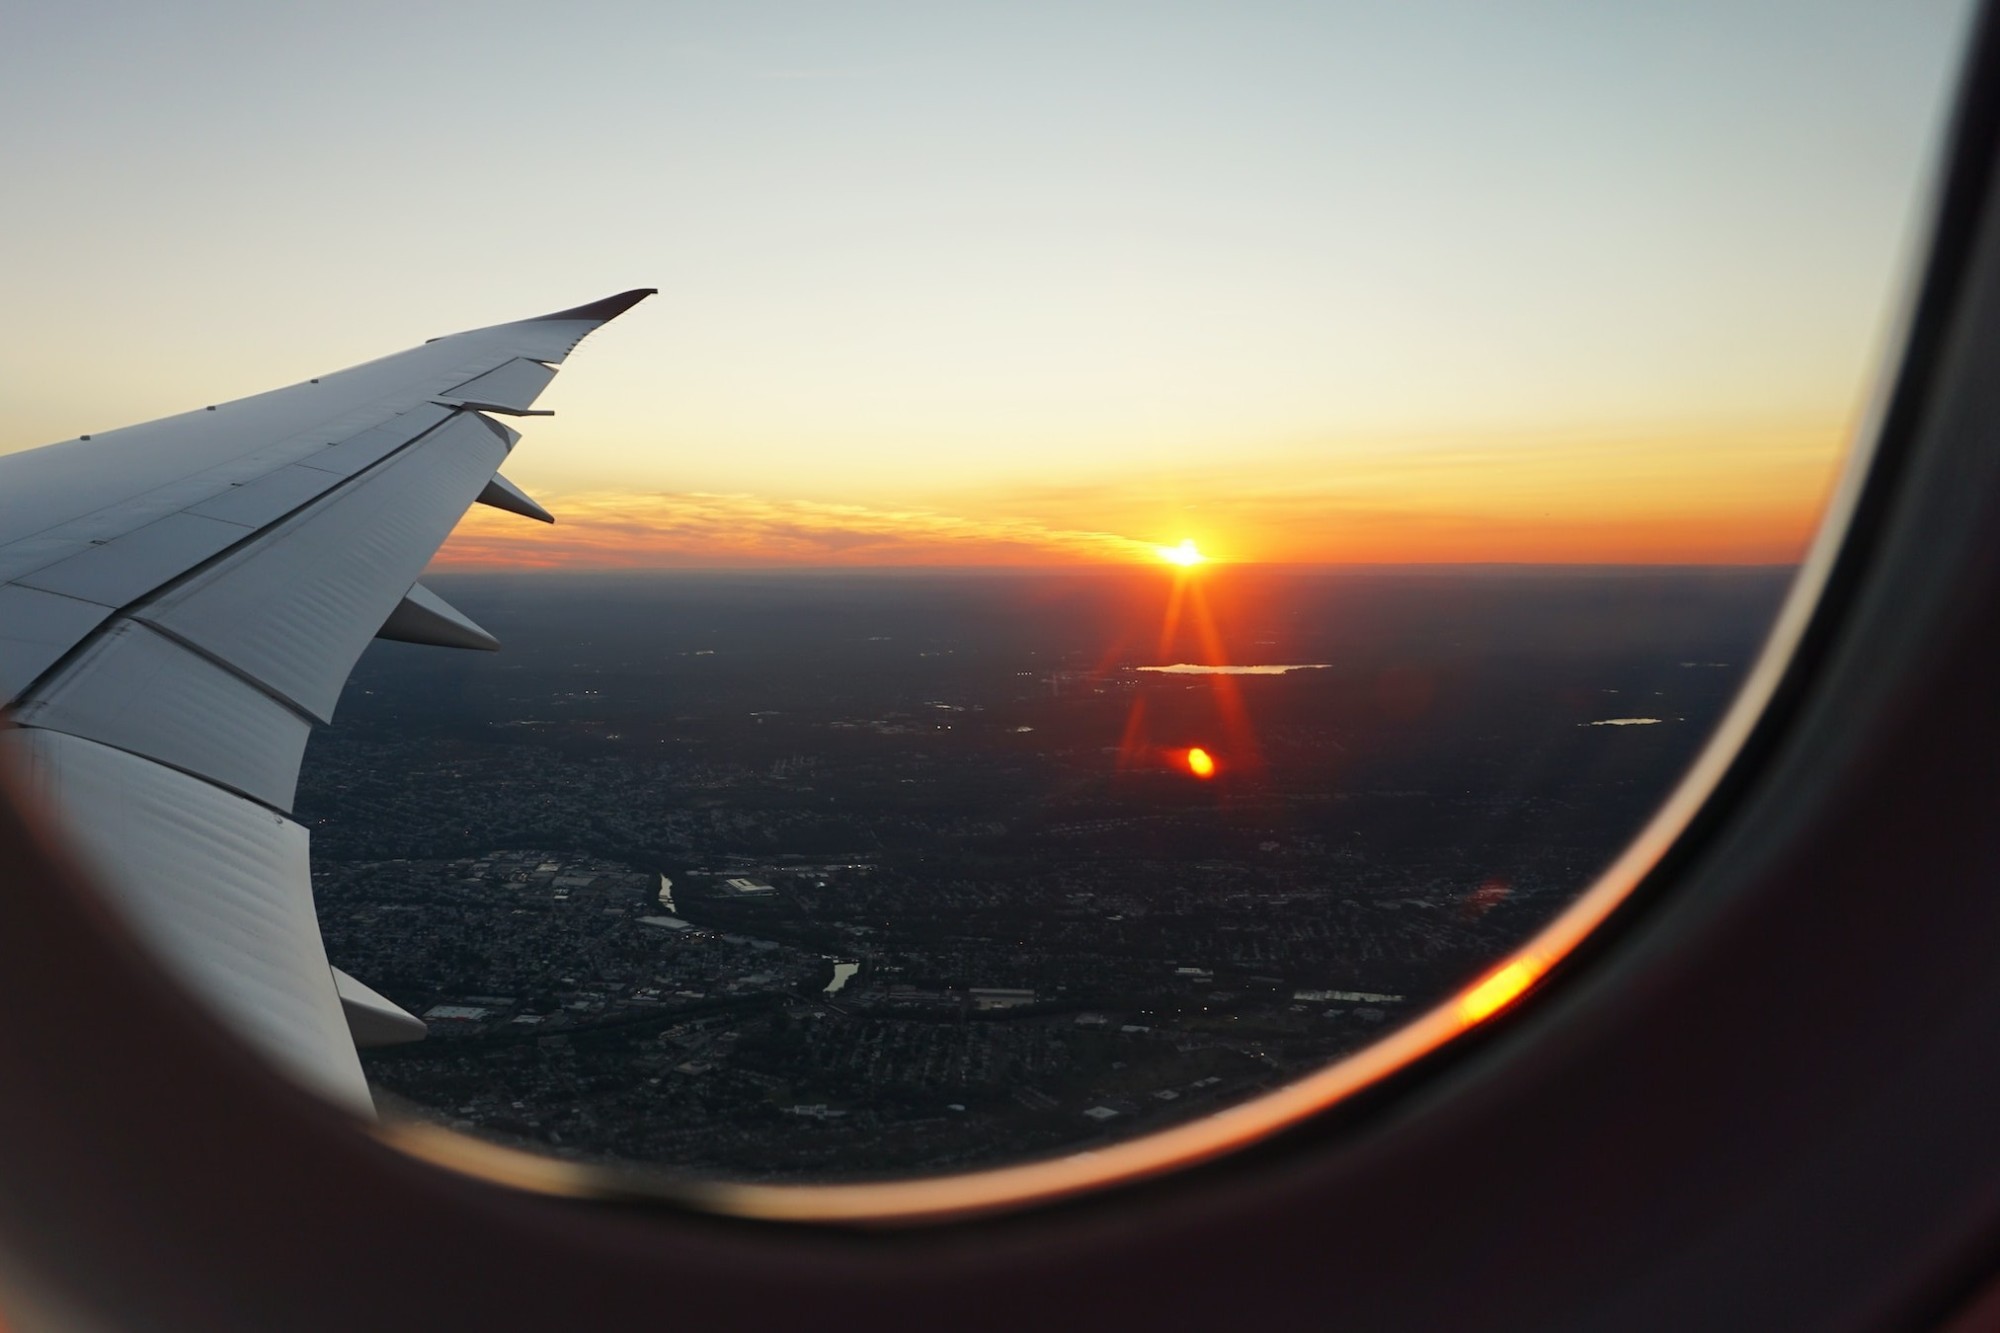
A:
{"x": 218, "y": 884}
{"x": 137, "y": 690}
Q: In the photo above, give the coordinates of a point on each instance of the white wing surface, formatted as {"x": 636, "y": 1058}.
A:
{"x": 181, "y": 601}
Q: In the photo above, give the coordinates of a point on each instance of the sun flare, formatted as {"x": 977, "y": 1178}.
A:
{"x": 1187, "y": 554}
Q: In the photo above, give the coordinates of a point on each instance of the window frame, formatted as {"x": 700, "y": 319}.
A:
{"x": 1757, "y": 1092}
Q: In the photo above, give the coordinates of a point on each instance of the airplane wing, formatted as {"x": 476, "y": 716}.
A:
{"x": 181, "y": 601}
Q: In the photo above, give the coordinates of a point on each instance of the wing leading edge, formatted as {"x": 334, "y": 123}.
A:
{"x": 181, "y": 601}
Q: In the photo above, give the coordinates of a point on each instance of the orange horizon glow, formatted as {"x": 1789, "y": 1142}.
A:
{"x": 1741, "y": 496}
{"x": 599, "y": 532}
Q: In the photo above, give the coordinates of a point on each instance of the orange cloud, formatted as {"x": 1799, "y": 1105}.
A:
{"x": 1714, "y": 498}
{"x": 1720, "y": 497}
{"x": 643, "y": 531}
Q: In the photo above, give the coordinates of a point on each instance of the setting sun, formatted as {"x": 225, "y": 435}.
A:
{"x": 1201, "y": 763}
{"x": 1186, "y": 553}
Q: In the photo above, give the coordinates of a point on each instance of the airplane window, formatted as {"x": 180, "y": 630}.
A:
{"x": 1145, "y": 569}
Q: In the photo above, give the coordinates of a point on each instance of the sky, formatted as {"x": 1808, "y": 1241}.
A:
{"x": 951, "y": 283}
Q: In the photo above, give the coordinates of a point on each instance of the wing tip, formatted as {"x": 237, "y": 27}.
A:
{"x": 607, "y": 309}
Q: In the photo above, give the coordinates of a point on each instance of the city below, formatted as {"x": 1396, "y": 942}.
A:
{"x": 815, "y": 876}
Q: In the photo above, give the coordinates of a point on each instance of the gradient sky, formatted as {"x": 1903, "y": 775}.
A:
{"x": 965, "y": 283}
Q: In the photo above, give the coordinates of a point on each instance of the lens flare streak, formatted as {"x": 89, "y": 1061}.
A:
{"x": 1188, "y": 608}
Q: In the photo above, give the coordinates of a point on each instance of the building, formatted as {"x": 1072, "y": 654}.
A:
{"x": 1000, "y": 997}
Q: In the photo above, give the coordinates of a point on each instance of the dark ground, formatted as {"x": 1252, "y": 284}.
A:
{"x": 961, "y": 783}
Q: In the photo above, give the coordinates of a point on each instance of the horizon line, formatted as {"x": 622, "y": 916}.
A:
{"x": 1105, "y": 567}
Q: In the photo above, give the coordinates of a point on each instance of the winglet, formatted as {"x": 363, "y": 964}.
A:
{"x": 611, "y": 307}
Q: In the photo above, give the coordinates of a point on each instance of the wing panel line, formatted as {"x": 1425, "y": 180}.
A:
{"x": 130, "y": 610}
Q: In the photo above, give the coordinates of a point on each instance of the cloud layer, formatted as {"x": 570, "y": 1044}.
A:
{"x": 672, "y": 529}
{"x": 1714, "y": 497}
